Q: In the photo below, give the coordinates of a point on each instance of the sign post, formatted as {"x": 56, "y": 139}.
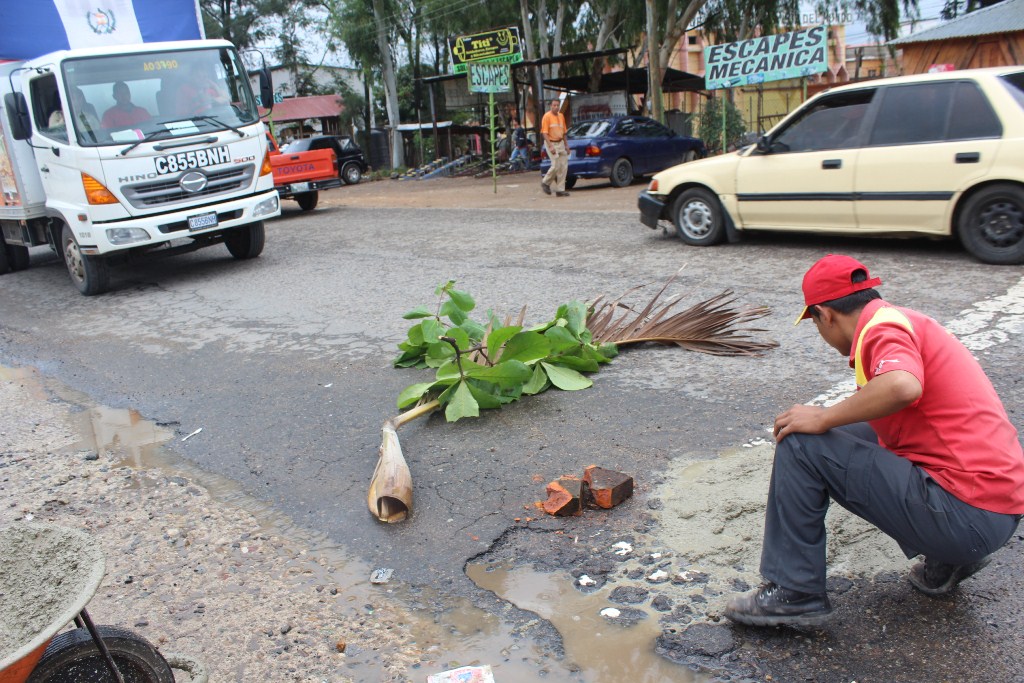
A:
{"x": 797, "y": 54}
{"x": 490, "y": 78}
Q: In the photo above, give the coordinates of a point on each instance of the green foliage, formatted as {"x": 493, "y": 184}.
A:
{"x": 710, "y": 126}
{"x": 485, "y": 366}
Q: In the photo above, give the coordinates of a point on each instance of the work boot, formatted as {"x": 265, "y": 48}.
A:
{"x": 934, "y": 578}
{"x": 773, "y": 605}
{"x": 544, "y": 186}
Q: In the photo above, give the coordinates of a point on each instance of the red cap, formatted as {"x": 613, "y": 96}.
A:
{"x": 831, "y": 278}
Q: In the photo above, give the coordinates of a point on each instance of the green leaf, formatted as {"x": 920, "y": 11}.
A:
{"x": 484, "y": 398}
{"x": 415, "y": 335}
{"x": 527, "y": 347}
{"x": 576, "y": 315}
{"x": 462, "y": 299}
{"x": 432, "y": 330}
{"x": 566, "y": 378}
{"x": 418, "y": 312}
{"x": 462, "y": 404}
{"x": 507, "y": 373}
{"x": 499, "y": 336}
{"x": 475, "y": 330}
{"x": 441, "y": 289}
{"x": 453, "y": 312}
{"x": 609, "y": 350}
{"x": 451, "y": 368}
{"x": 576, "y": 363}
{"x": 460, "y": 337}
{"x": 538, "y": 383}
{"x": 413, "y": 393}
{"x": 561, "y": 339}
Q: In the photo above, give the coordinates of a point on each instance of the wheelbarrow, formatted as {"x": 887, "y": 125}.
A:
{"x": 50, "y": 573}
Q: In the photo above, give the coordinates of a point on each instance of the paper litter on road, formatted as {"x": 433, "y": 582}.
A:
{"x": 464, "y": 674}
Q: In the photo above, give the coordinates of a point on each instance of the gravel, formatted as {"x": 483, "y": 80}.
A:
{"x": 190, "y": 573}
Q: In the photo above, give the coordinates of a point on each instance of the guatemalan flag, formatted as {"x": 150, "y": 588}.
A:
{"x": 34, "y": 27}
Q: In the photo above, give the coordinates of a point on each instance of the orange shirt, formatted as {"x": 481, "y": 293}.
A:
{"x": 553, "y": 126}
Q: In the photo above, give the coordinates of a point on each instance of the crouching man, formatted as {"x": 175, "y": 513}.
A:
{"x": 923, "y": 450}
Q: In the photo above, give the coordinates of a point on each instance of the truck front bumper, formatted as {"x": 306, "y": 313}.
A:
{"x": 143, "y": 231}
{"x": 652, "y": 208}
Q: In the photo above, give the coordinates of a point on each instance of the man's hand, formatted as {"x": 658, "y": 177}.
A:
{"x": 802, "y": 419}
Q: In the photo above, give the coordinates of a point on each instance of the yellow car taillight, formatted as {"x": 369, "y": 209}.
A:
{"x": 95, "y": 192}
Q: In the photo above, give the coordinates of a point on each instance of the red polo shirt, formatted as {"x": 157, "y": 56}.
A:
{"x": 958, "y": 430}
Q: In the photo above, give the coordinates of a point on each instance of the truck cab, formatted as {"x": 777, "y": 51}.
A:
{"x": 116, "y": 152}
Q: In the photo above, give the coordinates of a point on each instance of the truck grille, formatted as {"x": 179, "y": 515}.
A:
{"x": 167, "y": 190}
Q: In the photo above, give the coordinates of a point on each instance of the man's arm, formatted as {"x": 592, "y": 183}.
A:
{"x": 883, "y": 395}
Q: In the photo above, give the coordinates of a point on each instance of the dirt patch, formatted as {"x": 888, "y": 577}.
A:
{"x": 188, "y": 572}
{"x": 519, "y": 191}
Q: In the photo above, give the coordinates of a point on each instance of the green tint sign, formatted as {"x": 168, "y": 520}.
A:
{"x": 484, "y": 77}
{"x": 768, "y": 58}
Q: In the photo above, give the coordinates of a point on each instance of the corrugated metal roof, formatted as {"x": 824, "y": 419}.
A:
{"x": 1006, "y": 17}
{"x": 314, "y": 107}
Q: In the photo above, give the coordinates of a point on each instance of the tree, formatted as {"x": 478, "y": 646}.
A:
{"x": 957, "y": 8}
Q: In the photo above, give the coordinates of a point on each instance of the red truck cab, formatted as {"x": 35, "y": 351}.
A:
{"x": 301, "y": 176}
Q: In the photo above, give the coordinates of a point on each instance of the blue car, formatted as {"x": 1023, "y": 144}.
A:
{"x": 622, "y": 148}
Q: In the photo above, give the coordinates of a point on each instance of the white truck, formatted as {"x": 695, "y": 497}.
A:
{"x": 116, "y": 152}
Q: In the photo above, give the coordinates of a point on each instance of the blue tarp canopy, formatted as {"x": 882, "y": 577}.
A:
{"x": 35, "y": 27}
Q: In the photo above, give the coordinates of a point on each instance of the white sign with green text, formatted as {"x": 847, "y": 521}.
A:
{"x": 486, "y": 77}
{"x": 768, "y": 58}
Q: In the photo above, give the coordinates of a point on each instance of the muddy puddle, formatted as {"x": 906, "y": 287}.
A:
{"x": 599, "y": 648}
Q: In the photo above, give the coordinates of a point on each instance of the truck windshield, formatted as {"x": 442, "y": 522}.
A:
{"x": 121, "y": 99}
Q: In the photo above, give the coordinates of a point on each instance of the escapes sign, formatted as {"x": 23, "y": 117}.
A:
{"x": 489, "y": 77}
{"x": 769, "y": 58}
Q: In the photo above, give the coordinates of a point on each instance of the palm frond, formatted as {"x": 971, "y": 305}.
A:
{"x": 712, "y": 326}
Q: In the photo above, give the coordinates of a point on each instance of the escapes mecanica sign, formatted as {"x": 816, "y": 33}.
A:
{"x": 768, "y": 58}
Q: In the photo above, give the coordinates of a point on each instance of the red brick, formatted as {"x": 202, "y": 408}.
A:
{"x": 607, "y": 488}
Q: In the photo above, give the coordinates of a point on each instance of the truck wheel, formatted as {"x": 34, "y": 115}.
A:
{"x": 89, "y": 273}
{"x": 247, "y": 241}
{"x": 351, "y": 174}
{"x": 5, "y": 266}
{"x": 308, "y": 200}
{"x": 699, "y": 217}
{"x": 17, "y": 256}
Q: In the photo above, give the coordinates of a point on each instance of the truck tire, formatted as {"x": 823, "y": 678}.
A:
{"x": 73, "y": 656}
{"x": 89, "y": 273}
{"x": 351, "y": 173}
{"x": 246, "y": 242}
{"x": 5, "y": 266}
{"x": 17, "y": 256}
{"x": 308, "y": 200}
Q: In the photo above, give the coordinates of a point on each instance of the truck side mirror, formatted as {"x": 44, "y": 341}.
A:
{"x": 17, "y": 116}
{"x": 266, "y": 89}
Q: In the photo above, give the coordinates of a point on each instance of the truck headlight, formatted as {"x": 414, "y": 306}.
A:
{"x": 126, "y": 235}
{"x": 266, "y": 207}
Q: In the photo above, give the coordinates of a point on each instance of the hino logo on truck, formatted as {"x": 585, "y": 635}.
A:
{"x": 183, "y": 161}
{"x": 136, "y": 178}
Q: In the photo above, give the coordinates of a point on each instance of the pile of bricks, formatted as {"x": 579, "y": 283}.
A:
{"x": 599, "y": 487}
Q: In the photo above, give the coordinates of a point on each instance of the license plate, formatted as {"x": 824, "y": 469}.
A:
{"x": 300, "y": 187}
{"x": 203, "y": 221}
{"x": 186, "y": 161}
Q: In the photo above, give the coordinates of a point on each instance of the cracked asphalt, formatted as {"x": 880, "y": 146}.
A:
{"x": 285, "y": 362}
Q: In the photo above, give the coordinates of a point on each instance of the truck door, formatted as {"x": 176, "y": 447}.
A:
{"x": 54, "y": 156}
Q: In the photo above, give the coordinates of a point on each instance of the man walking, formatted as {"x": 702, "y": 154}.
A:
{"x": 923, "y": 450}
{"x": 552, "y": 128}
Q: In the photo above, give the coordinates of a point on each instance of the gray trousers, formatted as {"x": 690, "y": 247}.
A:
{"x": 848, "y": 466}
